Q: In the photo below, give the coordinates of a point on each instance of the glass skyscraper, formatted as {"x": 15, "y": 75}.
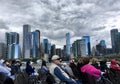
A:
{"x": 45, "y": 46}
{"x": 27, "y": 41}
{"x": 102, "y": 43}
{"x": 68, "y": 44}
{"x": 12, "y": 39}
{"x": 114, "y": 33}
{"x": 35, "y": 43}
{"x": 88, "y": 47}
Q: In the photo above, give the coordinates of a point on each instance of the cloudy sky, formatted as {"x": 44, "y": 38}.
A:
{"x": 54, "y": 18}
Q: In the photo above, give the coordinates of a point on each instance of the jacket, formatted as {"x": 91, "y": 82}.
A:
{"x": 91, "y": 70}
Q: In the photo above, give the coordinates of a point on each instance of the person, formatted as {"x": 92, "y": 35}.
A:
{"x": 7, "y": 72}
{"x": 90, "y": 69}
{"x": 95, "y": 63}
{"x": 44, "y": 68}
{"x": 79, "y": 65}
{"x": 75, "y": 71}
{"x": 103, "y": 65}
{"x": 114, "y": 65}
{"x": 15, "y": 68}
{"x": 68, "y": 70}
{"x": 29, "y": 69}
{"x": 4, "y": 67}
{"x": 58, "y": 73}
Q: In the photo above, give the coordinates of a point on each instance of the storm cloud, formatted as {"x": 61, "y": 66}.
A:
{"x": 54, "y": 18}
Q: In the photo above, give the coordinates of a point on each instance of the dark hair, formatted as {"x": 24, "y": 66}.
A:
{"x": 86, "y": 60}
{"x": 43, "y": 63}
{"x": 5, "y": 61}
{"x": 13, "y": 61}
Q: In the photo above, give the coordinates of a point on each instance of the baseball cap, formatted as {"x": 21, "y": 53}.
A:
{"x": 55, "y": 57}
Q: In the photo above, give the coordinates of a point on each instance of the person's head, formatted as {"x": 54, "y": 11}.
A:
{"x": 86, "y": 60}
{"x": 6, "y": 62}
{"x": 80, "y": 60}
{"x": 13, "y": 62}
{"x": 113, "y": 61}
{"x": 56, "y": 59}
{"x": 103, "y": 61}
{"x": 28, "y": 63}
{"x": 94, "y": 60}
{"x": 43, "y": 63}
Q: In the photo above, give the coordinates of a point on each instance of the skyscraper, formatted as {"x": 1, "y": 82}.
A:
{"x": 88, "y": 47}
{"x": 3, "y": 50}
{"x": 12, "y": 39}
{"x": 82, "y": 47}
{"x": 117, "y": 43}
{"x": 45, "y": 46}
{"x": 102, "y": 43}
{"x": 79, "y": 48}
{"x": 27, "y": 35}
{"x": 35, "y": 44}
{"x": 68, "y": 44}
{"x": 114, "y": 33}
{"x": 53, "y": 50}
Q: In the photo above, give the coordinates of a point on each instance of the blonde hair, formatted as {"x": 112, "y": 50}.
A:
{"x": 94, "y": 60}
{"x": 80, "y": 60}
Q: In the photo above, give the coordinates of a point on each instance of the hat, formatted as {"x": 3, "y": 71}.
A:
{"x": 55, "y": 57}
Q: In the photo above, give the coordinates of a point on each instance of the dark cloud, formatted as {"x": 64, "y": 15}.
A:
{"x": 99, "y": 28}
{"x": 3, "y": 25}
{"x": 54, "y": 18}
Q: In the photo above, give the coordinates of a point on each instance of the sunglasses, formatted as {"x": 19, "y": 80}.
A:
{"x": 58, "y": 58}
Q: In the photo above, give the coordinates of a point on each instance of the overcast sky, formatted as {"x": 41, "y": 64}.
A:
{"x": 54, "y": 18}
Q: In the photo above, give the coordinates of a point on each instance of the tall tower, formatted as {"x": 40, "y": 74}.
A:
{"x": 27, "y": 41}
{"x": 35, "y": 44}
{"x": 88, "y": 46}
{"x": 45, "y": 46}
{"x": 53, "y": 50}
{"x": 114, "y": 33}
{"x": 68, "y": 44}
{"x": 12, "y": 40}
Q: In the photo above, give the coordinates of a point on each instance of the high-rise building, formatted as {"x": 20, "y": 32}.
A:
{"x": 64, "y": 51}
{"x": 45, "y": 46}
{"x": 82, "y": 47}
{"x": 102, "y": 43}
{"x": 16, "y": 50}
{"x": 79, "y": 48}
{"x": 114, "y": 33}
{"x": 88, "y": 47}
{"x": 3, "y": 50}
{"x": 12, "y": 39}
{"x": 117, "y": 43}
{"x": 35, "y": 44}
{"x": 27, "y": 35}
{"x": 53, "y": 50}
{"x": 68, "y": 44}
{"x": 59, "y": 52}
{"x": 74, "y": 48}
{"x": 101, "y": 48}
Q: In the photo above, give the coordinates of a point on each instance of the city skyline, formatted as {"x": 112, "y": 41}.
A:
{"x": 54, "y": 18}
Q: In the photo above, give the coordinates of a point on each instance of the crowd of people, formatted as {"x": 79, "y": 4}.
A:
{"x": 62, "y": 73}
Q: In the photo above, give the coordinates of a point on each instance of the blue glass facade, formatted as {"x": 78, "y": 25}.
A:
{"x": 12, "y": 39}
{"x": 68, "y": 44}
{"x": 45, "y": 46}
{"x": 16, "y": 51}
{"x": 88, "y": 47}
{"x": 102, "y": 43}
{"x": 114, "y": 33}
